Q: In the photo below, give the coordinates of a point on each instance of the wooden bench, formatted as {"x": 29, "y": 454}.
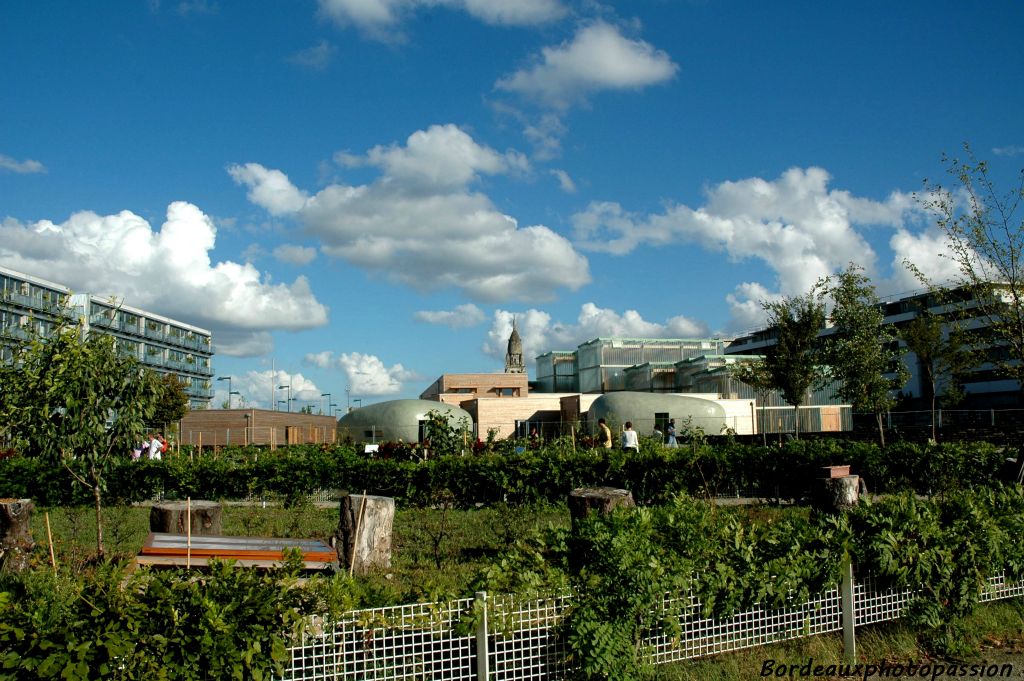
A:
{"x": 173, "y": 550}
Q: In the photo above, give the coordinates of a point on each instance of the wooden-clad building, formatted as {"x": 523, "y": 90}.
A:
{"x": 206, "y": 428}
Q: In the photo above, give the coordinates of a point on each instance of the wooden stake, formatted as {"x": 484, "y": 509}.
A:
{"x": 355, "y": 535}
{"x": 188, "y": 533}
{"x": 572, "y": 436}
{"x": 49, "y": 541}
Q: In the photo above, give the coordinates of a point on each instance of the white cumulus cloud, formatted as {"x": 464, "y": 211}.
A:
{"x": 421, "y": 223}
{"x": 260, "y": 390}
{"x": 365, "y": 374}
{"x": 270, "y": 189}
{"x": 597, "y": 58}
{"x": 795, "y": 224}
{"x": 166, "y": 270}
{"x": 461, "y": 317}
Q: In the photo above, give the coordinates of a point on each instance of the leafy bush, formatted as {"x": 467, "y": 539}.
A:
{"x": 521, "y": 475}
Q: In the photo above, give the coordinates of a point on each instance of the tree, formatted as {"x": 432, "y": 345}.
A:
{"x": 77, "y": 402}
{"x": 173, "y": 403}
{"x": 793, "y": 363}
{"x": 863, "y": 352}
{"x": 942, "y": 355}
{"x": 986, "y": 239}
{"x": 755, "y": 374}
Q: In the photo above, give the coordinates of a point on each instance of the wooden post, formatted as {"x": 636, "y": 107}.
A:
{"x": 49, "y": 542}
{"x": 363, "y": 537}
{"x": 16, "y": 542}
{"x": 188, "y": 540}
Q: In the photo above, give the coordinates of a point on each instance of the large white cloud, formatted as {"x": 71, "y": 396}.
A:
{"x": 381, "y": 18}
{"x": 167, "y": 271}
{"x": 540, "y": 334}
{"x": 365, "y": 374}
{"x": 795, "y": 224}
{"x": 421, "y": 224}
{"x": 597, "y": 58}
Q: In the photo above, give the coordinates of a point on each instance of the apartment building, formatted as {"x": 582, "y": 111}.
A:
{"x": 29, "y": 304}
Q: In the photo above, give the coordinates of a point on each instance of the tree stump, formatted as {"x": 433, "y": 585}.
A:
{"x": 836, "y": 495}
{"x": 15, "y": 534}
{"x": 172, "y": 517}
{"x": 363, "y": 537}
{"x": 602, "y": 500}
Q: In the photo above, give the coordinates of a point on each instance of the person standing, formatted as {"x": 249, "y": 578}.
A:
{"x": 604, "y": 436}
{"x": 670, "y": 433}
{"x": 630, "y": 441}
{"x": 154, "y": 447}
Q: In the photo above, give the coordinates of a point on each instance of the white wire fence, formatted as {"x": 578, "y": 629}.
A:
{"x": 507, "y": 638}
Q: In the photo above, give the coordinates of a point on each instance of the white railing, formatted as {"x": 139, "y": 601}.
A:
{"x": 506, "y": 638}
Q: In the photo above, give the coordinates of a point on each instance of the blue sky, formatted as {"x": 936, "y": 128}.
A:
{"x": 360, "y": 194}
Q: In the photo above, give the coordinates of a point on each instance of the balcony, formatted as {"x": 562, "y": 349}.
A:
{"x": 31, "y": 302}
{"x": 155, "y": 331}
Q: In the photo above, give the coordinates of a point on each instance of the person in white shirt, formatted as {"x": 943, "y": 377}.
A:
{"x": 630, "y": 441}
{"x": 154, "y": 447}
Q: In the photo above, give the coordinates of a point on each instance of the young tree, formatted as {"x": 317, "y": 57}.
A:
{"x": 863, "y": 353}
{"x": 793, "y": 363}
{"x": 755, "y": 374}
{"x": 77, "y": 402}
{"x": 942, "y": 355}
{"x": 173, "y": 403}
{"x": 986, "y": 240}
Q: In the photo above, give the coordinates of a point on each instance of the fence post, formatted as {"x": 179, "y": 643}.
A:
{"x": 849, "y": 611}
{"x": 483, "y": 660}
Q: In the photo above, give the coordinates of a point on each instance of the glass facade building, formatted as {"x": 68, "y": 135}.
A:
{"x": 30, "y": 306}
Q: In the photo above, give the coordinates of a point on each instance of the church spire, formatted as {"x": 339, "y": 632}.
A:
{"x": 514, "y": 357}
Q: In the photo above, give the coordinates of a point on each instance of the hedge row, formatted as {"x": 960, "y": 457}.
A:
{"x": 527, "y": 475}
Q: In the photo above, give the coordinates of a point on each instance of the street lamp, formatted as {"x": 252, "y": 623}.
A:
{"x": 228, "y": 379}
{"x": 334, "y": 408}
{"x": 328, "y": 396}
{"x": 288, "y": 404}
{"x": 230, "y": 393}
{"x": 358, "y": 401}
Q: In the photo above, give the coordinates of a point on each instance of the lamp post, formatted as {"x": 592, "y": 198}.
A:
{"x": 334, "y": 408}
{"x": 328, "y": 396}
{"x": 230, "y": 393}
{"x": 228, "y": 379}
{"x": 288, "y": 403}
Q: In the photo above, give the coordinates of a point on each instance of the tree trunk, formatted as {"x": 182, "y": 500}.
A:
{"x": 835, "y": 495}
{"x": 15, "y": 534}
{"x": 881, "y": 429}
{"x": 934, "y": 436}
{"x": 172, "y": 517}
{"x": 796, "y": 420}
{"x": 363, "y": 537}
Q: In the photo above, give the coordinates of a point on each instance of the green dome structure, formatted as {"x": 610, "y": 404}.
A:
{"x": 397, "y": 420}
{"x": 646, "y": 409}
